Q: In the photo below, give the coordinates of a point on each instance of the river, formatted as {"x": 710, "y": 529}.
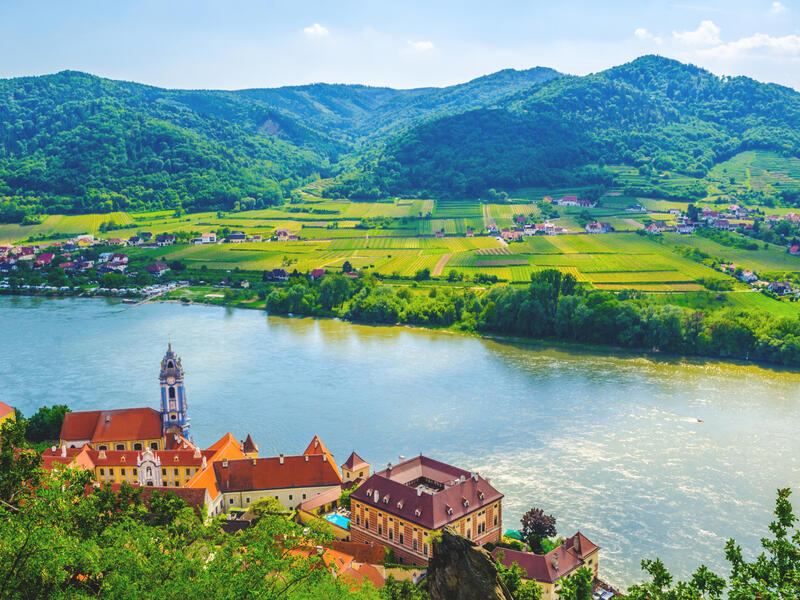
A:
{"x": 610, "y": 445}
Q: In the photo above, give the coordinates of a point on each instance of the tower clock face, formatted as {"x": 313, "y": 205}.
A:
{"x": 170, "y": 380}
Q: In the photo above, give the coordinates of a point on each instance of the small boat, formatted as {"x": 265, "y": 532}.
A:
{"x": 129, "y": 301}
{"x": 699, "y": 420}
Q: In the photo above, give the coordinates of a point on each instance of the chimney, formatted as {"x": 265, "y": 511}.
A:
{"x": 576, "y": 544}
{"x": 280, "y": 457}
{"x": 254, "y": 462}
{"x": 419, "y": 491}
{"x": 555, "y": 561}
{"x": 64, "y": 450}
{"x": 204, "y": 462}
{"x": 306, "y": 457}
{"x": 389, "y": 468}
{"x": 401, "y": 458}
{"x": 324, "y": 457}
{"x": 196, "y": 453}
{"x": 225, "y": 463}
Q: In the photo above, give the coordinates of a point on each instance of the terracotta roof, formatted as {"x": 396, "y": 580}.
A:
{"x": 226, "y": 447}
{"x": 276, "y": 473}
{"x": 112, "y": 425}
{"x": 317, "y": 447}
{"x": 540, "y": 566}
{"x": 366, "y": 553}
{"x": 5, "y": 409}
{"x": 426, "y": 492}
{"x": 322, "y": 499}
{"x": 249, "y": 445}
{"x": 73, "y": 457}
{"x": 354, "y": 461}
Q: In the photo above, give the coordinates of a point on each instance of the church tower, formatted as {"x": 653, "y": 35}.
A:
{"x": 174, "y": 417}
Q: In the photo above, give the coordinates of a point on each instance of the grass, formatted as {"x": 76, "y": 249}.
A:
{"x": 772, "y": 259}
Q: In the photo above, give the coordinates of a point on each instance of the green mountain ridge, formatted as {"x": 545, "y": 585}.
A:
{"x": 653, "y": 111}
{"x": 73, "y": 142}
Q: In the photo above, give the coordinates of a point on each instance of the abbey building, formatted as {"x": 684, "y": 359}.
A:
{"x": 136, "y": 428}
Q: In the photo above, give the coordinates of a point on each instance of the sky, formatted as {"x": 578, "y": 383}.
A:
{"x": 234, "y": 44}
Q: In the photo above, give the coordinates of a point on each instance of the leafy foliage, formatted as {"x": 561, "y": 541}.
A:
{"x": 537, "y": 526}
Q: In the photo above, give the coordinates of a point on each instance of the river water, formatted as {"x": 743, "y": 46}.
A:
{"x": 610, "y": 445}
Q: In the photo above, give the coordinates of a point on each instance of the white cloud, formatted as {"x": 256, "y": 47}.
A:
{"x": 759, "y": 43}
{"x": 422, "y": 46}
{"x": 778, "y": 8}
{"x": 316, "y": 30}
{"x": 705, "y": 35}
{"x": 643, "y": 34}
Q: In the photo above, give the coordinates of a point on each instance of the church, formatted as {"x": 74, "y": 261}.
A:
{"x": 136, "y": 428}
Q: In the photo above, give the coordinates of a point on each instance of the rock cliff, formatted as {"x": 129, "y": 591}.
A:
{"x": 460, "y": 570}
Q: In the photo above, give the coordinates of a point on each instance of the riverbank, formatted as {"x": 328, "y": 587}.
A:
{"x": 176, "y": 296}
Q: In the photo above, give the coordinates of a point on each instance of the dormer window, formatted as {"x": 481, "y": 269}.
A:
{"x": 465, "y": 502}
{"x": 417, "y": 512}
{"x": 480, "y": 495}
{"x": 400, "y": 504}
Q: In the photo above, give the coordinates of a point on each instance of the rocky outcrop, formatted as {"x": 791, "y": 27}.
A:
{"x": 460, "y": 570}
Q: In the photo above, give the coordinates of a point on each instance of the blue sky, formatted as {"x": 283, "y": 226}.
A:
{"x": 248, "y": 43}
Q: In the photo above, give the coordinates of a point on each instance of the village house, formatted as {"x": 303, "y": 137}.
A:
{"x": 470, "y": 233}
{"x": 724, "y": 225}
{"x": 401, "y": 507}
{"x": 548, "y": 569}
{"x": 354, "y": 468}
{"x": 236, "y": 237}
{"x": 44, "y": 259}
{"x": 686, "y": 228}
{"x": 597, "y": 227}
{"x": 748, "y": 276}
{"x": 157, "y": 269}
{"x": 574, "y": 201}
{"x": 281, "y": 234}
{"x": 794, "y": 250}
{"x": 288, "y": 479}
{"x": 165, "y": 239}
{"x": 208, "y": 238}
{"x": 781, "y": 288}
{"x": 255, "y": 237}
{"x": 134, "y": 240}
{"x": 653, "y": 228}
{"x": 316, "y": 274}
{"x": 7, "y": 413}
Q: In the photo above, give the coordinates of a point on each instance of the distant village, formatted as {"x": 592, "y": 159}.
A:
{"x": 73, "y": 258}
{"x": 373, "y": 513}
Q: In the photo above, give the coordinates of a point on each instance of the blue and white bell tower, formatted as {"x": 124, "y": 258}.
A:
{"x": 174, "y": 417}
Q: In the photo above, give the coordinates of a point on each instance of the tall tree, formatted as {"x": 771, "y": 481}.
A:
{"x": 536, "y": 526}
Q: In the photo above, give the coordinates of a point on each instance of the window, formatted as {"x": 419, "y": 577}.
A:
{"x": 149, "y": 471}
{"x": 391, "y": 534}
{"x": 137, "y": 446}
{"x": 358, "y": 520}
{"x": 290, "y": 496}
{"x": 172, "y": 393}
{"x": 590, "y": 560}
{"x": 361, "y": 473}
{"x": 231, "y": 501}
{"x": 164, "y": 472}
{"x": 304, "y": 496}
{"x": 103, "y": 447}
{"x": 366, "y": 523}
{"x": 247, "y": 499}
{"x": 469, "y": 534}
{"x": 154, "y": 445}
{"x": 122, "y": 471}
{"x": 111, "y": 471}
{"x": 495, "y": 519}
{"x": 120, "y": 446}
{"x": 102, "y": 472}
{"x": 177, "y": 471}
{"x": 173, "y": 417}
{"x": 402, "y": 539}
{"x": 380, "y": 529}
{"x": 425, "y": 549}
{"x": 415, "y": 544}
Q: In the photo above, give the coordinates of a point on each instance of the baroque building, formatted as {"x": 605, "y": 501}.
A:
{"x": 136, "y": 428}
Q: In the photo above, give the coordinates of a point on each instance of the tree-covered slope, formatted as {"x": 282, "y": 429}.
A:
{"x": 73, "y": 142}
{"x": 654, "y": 112}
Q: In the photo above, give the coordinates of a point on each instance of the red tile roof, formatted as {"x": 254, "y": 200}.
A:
{"x": 354, "y": 462}
{"x": 112, "y": 425}
{"x": 406, "y": 491}
{"x": 5, "y": 409}
{"x": 540, "y": 566}
{"x": 276, "y": 473}
{"x": 249, "y": 445}
{"x": 317, "y": 447}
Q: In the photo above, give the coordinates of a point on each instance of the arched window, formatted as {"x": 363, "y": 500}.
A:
{"x": 149, "y": 471}
{"x": 102, "y": 448}
{"x": 137, "y": 446}
{"x": 170, "y": 365}
{"x": 172, "y": 392}
{"x": 173, "y": 417}
{"x": 154, "y": 445}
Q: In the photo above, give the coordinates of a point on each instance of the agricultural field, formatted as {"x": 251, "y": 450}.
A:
{"x": 759, "y": 170}
{"x": 771, "y": 259}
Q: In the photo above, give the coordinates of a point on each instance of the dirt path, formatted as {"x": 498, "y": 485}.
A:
{"x": 437, "y": 270}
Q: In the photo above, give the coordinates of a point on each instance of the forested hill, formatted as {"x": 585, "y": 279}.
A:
{"x": 652, "y": 111}
{"x": 73, "y": 142}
